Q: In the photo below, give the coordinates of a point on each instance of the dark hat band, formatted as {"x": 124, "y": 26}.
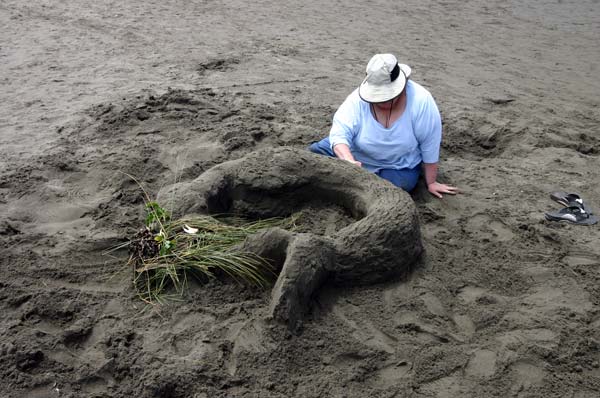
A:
{"x": 395, "y": 73}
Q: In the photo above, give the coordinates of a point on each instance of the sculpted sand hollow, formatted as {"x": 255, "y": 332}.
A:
{"x": 384, "y": 240}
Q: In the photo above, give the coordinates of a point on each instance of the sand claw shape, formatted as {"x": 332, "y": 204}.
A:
{"x": 382, "y": 242}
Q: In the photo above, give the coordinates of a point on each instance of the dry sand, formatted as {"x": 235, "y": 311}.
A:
{"x": 505, "y": 303}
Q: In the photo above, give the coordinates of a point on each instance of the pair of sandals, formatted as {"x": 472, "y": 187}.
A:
{"x": 575, "y": 210}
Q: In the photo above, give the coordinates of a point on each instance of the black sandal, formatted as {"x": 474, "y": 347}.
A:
{"x": 573, "y": 214}
{"x": 570, "y": 200}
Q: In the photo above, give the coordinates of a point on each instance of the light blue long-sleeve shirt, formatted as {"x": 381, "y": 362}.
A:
{"x": 414, "y": 138}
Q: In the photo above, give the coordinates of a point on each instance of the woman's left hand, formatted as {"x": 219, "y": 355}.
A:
{"x": 437, "y": 189}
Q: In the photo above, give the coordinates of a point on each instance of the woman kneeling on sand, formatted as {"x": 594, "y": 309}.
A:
{"x": 391, "y": 126}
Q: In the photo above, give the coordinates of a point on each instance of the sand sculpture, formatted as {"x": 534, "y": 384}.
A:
{"x": 384, "y": 240}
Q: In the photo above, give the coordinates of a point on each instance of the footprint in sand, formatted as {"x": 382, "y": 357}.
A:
{"x": 482, "y": 364}
{"x": 581, "y": 259}
{"x": 528, "y": 337}
{"x": 365, "y": 332}
{"x": 95, "y": 385}
{"x": 446, "y": 387}
{"x": 434, "y": 305}
{"x": 485, "y": 227}
{"x": 189, "y": 335}
{"x": 479, "y": 295}
{"x": 392, "y": 374}
{"x": 464, "y": 324}
{"x": 400, "y": 293}
{"x": 86, "y": 351}
{"x": 470, "y": 294}
{"x": 61, "y": 208}
{"x": 551, "y": 299}
{"x": 248, "y": 336}
{"x": 526, "y": 375}
{"x": 424, "y": 332}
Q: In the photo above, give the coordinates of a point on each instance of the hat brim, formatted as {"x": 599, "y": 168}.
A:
{"x": 384, "y": 92}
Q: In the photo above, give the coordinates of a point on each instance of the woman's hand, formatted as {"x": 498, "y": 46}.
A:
{"x": 342, "y": 151}
{"x": 434, "y": 187}
{"x": 437, "y": 189}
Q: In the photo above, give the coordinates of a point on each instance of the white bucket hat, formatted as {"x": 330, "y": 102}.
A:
{"x": 385, "y": 79}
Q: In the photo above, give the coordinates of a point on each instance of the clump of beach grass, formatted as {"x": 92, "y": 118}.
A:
{"x": 166, "y": 253}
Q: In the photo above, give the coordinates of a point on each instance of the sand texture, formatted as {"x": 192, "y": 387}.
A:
{"x": 500, "y": 303}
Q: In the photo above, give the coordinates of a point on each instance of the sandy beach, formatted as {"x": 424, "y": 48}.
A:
{"x": 503, "y": 304}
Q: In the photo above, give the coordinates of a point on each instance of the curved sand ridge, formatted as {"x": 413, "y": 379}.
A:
{"x": 383, "y": 242}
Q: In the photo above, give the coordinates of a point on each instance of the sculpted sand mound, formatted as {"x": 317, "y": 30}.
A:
{"x": 383, "y": 241}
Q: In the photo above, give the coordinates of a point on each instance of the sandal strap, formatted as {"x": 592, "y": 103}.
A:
{"x": 578, "y": 210}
